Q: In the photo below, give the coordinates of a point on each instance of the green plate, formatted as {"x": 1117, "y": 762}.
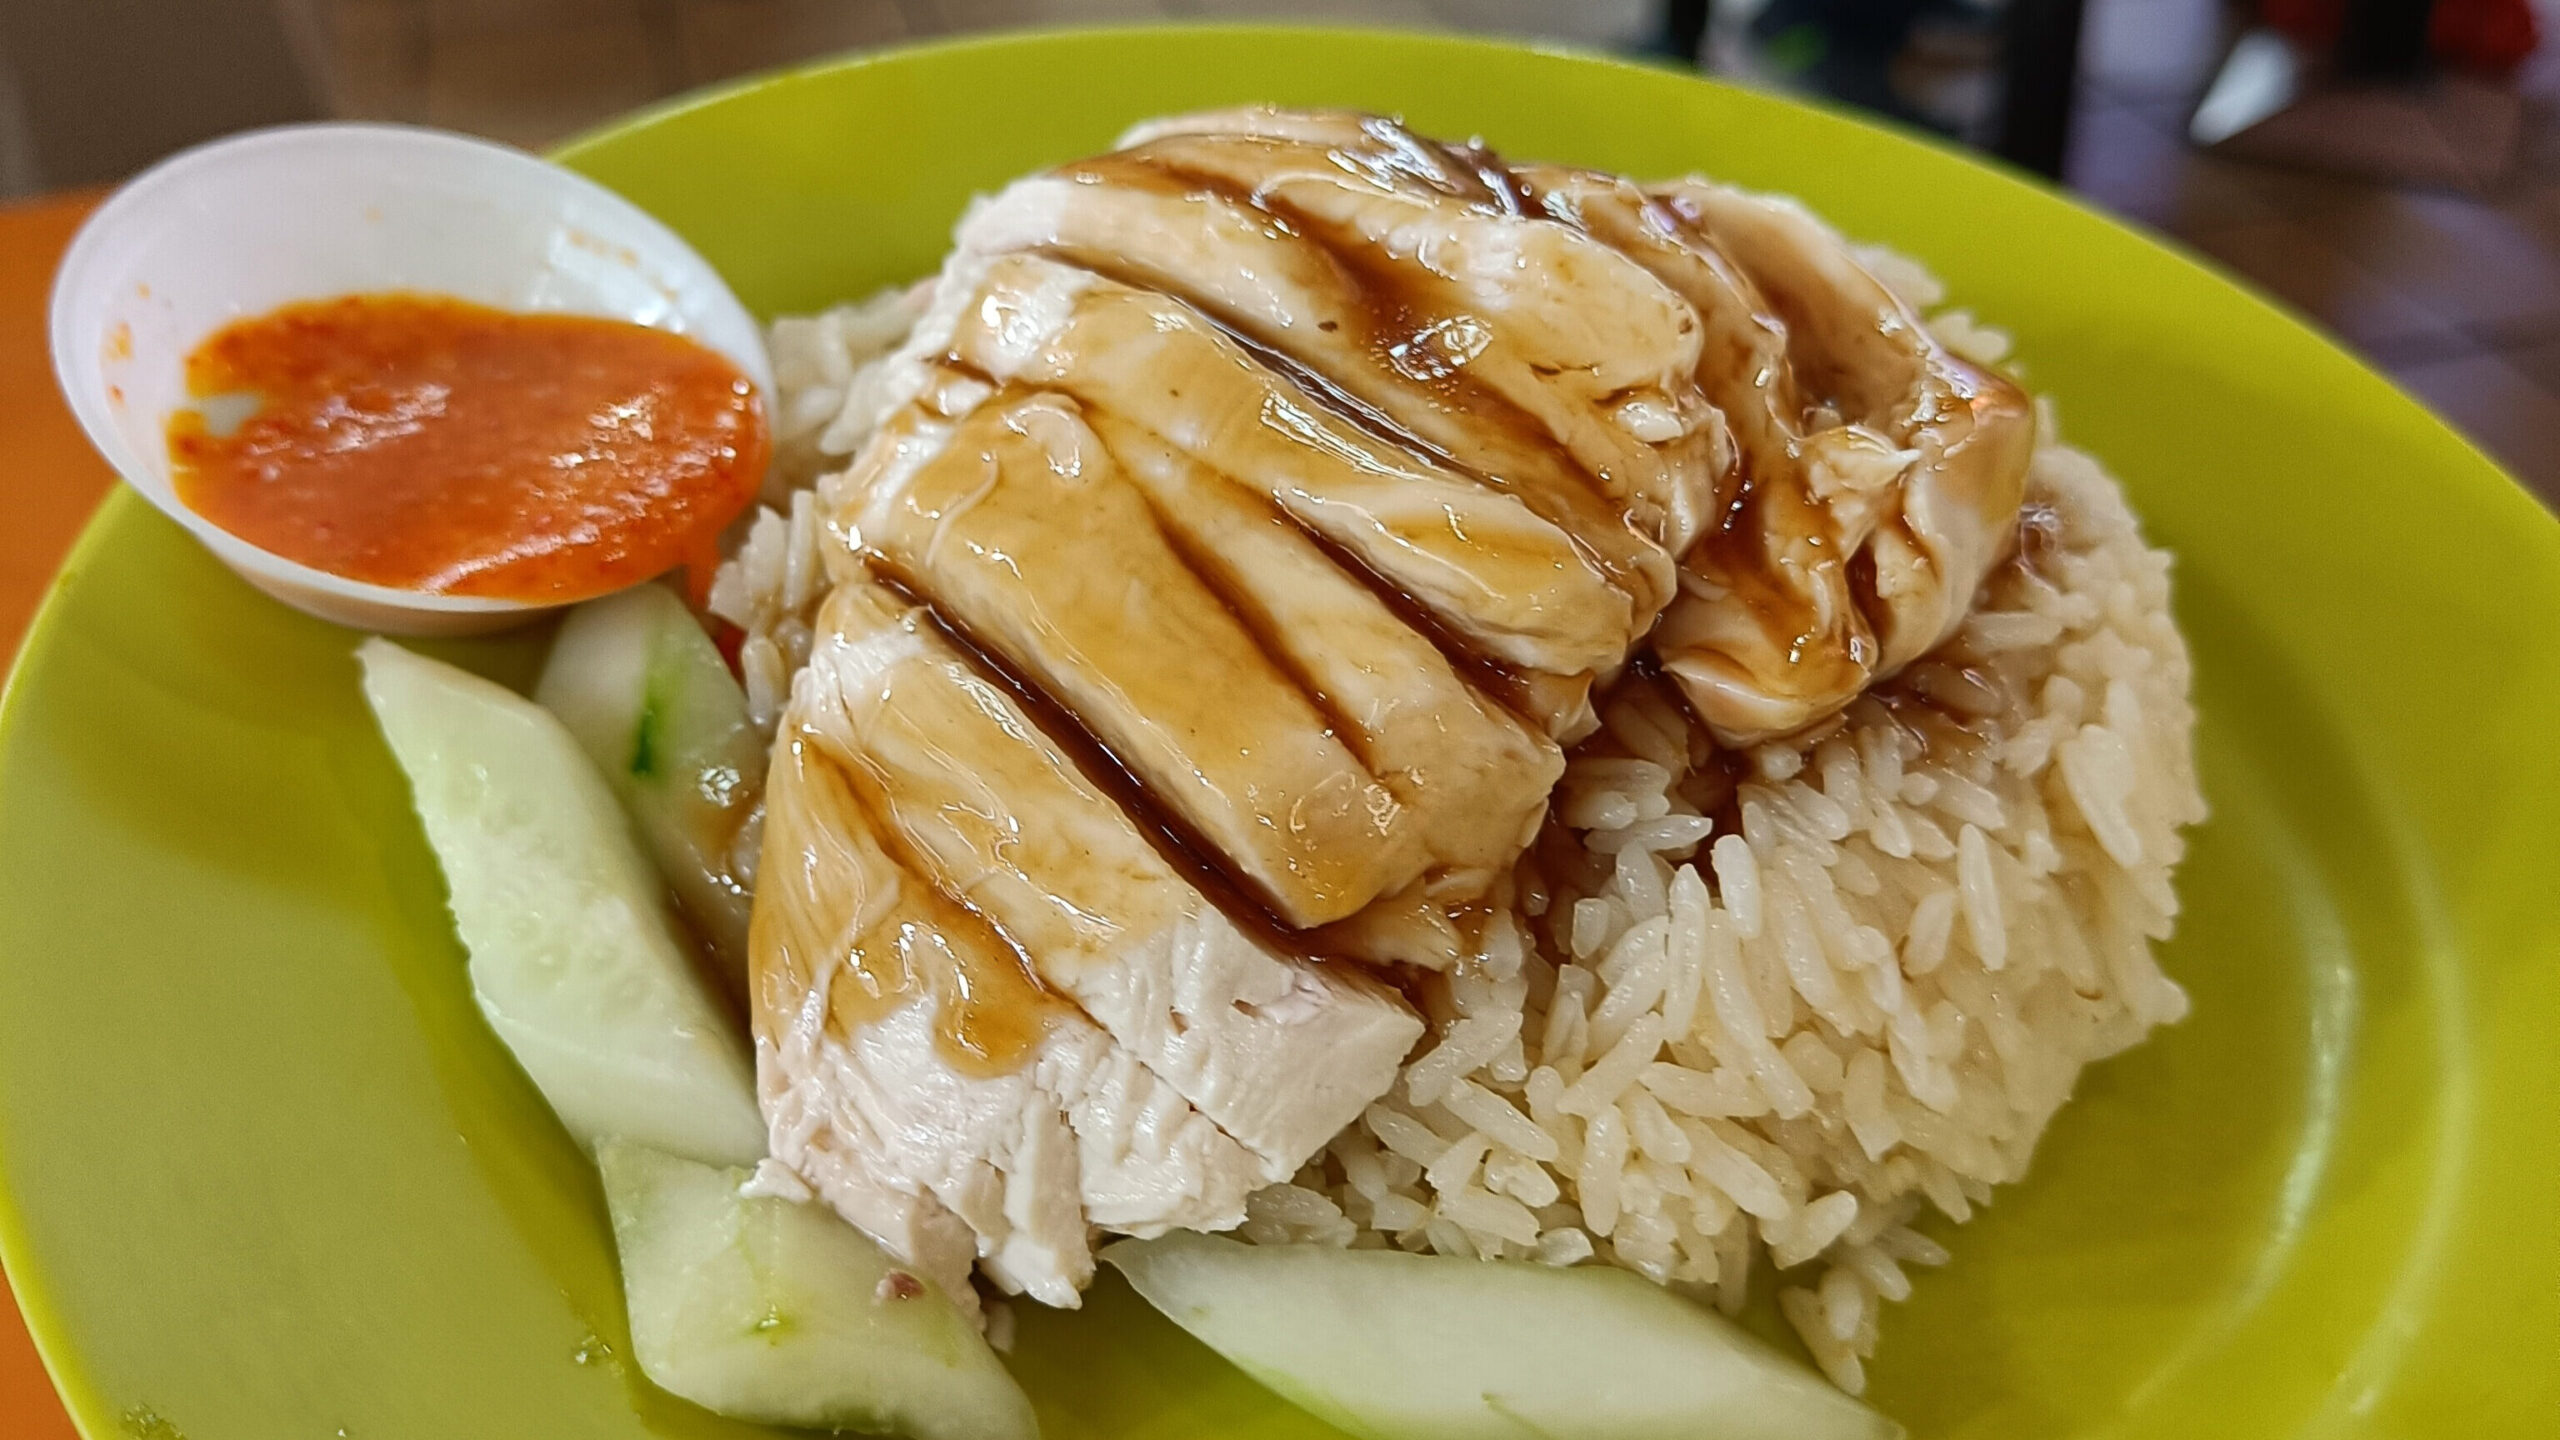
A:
{"x": 267, "y": 1177}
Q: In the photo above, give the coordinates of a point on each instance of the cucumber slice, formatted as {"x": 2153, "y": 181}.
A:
{"x": 1391, "y": 1346}
{"x": 763, "y": 1309}
{"x": 634, "y": 677}
{"x": 574, "y": 958}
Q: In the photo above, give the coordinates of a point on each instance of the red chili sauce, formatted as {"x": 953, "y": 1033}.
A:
{"x": 430, "y": 444}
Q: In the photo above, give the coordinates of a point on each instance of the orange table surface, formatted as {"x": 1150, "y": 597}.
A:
{"x": 52, "y": 480}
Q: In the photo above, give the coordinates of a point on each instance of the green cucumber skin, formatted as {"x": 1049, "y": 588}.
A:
{"x": 644, "y": 738}
{"x": 642, "y": 686}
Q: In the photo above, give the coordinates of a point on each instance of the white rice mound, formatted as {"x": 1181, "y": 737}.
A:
{"x": 1743, "y": 1007}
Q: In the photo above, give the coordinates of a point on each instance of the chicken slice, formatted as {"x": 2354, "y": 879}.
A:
{"x": 1855, "y": 344}
{"x": 1768, "y": 637}
{"x": 1742, "y": 344}
{"x": 916, "y": 1077}
{"x": 1878, "y": 477}
{"x": 1471, "y": 776}
{"x": 1494, "y": 578}
{"x": 1002, "y": 825}
{"x": 1400, "y": 370}
{"x": 1025, "y": 535}
{"x": 1387, "y": 153}
{"x": 1518, "y": 314}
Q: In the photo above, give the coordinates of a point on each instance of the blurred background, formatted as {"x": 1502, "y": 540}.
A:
{"x": 2390, "y": 167}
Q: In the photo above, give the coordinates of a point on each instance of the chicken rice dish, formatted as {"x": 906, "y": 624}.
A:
{"x": 1337, "y": 687}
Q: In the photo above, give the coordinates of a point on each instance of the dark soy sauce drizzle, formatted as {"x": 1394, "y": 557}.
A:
{"x": 1180, "y": 846}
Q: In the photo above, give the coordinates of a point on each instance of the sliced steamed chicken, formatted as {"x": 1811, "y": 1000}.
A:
{"x": 1244, "y": 529}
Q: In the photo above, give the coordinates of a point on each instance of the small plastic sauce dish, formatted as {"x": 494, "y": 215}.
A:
{"x": 246, "y": 224}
